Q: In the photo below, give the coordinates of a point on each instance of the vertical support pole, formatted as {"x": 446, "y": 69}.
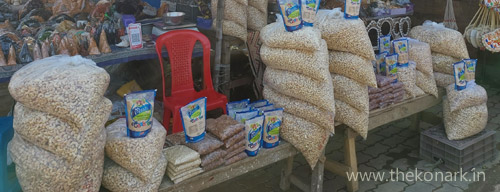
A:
{"x": 317, "y": 174}
{"x": 218, "y": 44}
{"x": 286, "y": 172}
{"x": 350, "y": 157}
{"x": 415, "y": 121}
{"x": 226, "y": 70}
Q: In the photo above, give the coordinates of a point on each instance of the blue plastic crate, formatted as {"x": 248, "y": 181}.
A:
{"x": 8, "y": 179}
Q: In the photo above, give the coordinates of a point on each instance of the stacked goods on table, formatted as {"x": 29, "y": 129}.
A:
{"x": 297, "y": 79}
{"x": 59, "y": 120}
{"x": 420, "y": 53}
{"x": 464, "y": 109}
{"x": 183, "y": 163}
{"x": 350, "y": 56}
{"x": 257, "y": 14}
{"x": 235, "y": 18}
{"x": 386, "y": 94}
{"x": 134, "y": 164}
{"x": 408, "y": 76}
{"x": 447, "y": 46}
{"x": 232, "y": 134}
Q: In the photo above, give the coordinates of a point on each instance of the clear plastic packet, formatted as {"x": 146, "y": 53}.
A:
{"x": 193, "y": 117}
{"x": 308, "y": 10}
{"x": 383, "y": 81}
{"x": 352, "y": 66}
{"x": 175, "y": 170}
{"x": 396, "y": 86}
{"x": 241, "y": 117}
{"x": 274, "y": 35}
{"x": 352, "y": 117}
{"x": 399, "y": 94}
{"x": 253, "y": 130}
{"x": 470, "y": 71}
{"x": 184, "y": 175}
{"x": 465, "y": 122}
{"x": 234, "y": 139}
{"x": 374, "y": 96}
{"x": 380, "y": 58}
{"x": 237, "y": 105}
{"x": 443, "y": 80}
{"x": 291, "y": 14}
{"x": 401, "y": 48}
{"x": 468, "y": 97}
{"x": 351, "y": 8}
{"x": 427, "y": 83}
{"x": 420, "y": 52}
{"x": 351, "y": 92}
{"x": 135, "y": 154}
{"x": 258, "y": 103}
{"x": 205, "y": 146}
{"x": 384, "y": 44}
{"x": 214, "y": 165}
{"x": 225, "y": 127}
{"x": 459, "y": 75}
{"x": 391, "y": 62}
{"x": 441, "y": 40}
{"x": 232, "y": 112}
{"x": 231, "y": 152}
{"x": 265, "y": 108}
{"x": 372, "y": 90}
{"x": 139, "y": 112}
{"x": 179, "y": 154}
{"x": 443, "y": 63}
{"x": 236, "y": 158}
{"x": 272, "y": 124}
{"x": 374, "y": 105}
{"x": 212, "y": 157}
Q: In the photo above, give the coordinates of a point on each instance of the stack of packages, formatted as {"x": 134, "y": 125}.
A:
{"x": 447, "y": 46}
{"x": 59, "y": 120}
{"x": 232, "y": 134}
{"x": 134, "y": 164}
{"x": 235, "y": 18}
{"x": 465, "y": 111}
{"x": 257, "y": 14}
{"x": 386, "y": 93}
{"x": 183, "y": 163}
{"x": 350, "y": 56}
{"x": 297, "y": 79}
{"x": 420, "y": 53}
{"x": 209, "y": 149}
{"x": 408, "y": 76}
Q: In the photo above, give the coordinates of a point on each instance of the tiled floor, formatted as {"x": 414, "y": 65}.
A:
{"x": 387, "y": 147}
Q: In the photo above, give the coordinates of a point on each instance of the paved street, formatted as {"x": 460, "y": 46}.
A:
{"x": 388, "y": 147}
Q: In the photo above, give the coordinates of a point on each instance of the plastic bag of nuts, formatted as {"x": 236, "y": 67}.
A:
{"x": 465, "y": 122}
{"x": 117, "y": 178}
{"x": 427, "y": 83}
{"x": 275, "y": 35}
{"x": 234, "y": 29}
{"x": 443, "y": 80}
{"x": 383, "y": 81}
{"x": 233, "y": 11}
{"x": 212, "y": 157}
{"x": 41, "y": 170}
{"x": 260, "y": 5}
{"x": 420, "y": 52}
{"x": 224, "y": 127}
{"x": 57, "y": 136}
{"x": 307, "y": 137}
{"x": 443, "y": 63}
{"x": 471, "y": 96}
{"x": 351, "y": 92}
{"x": 63, "y": 86}
{"x": 302, "y": 109}
{"x": 256, "y": 19}
{"x": 353, "y": 67}
{"x": 442, "y": 40}
{"x": 348, "y": 35}
{"x": 355, "y": 119}
{"x": 301, "y": 87}
{"x": 138, "y": 155}
{"x": 234, "y": 139}
{"x": 407, "y": 76}
{"x": 311, "y": 64}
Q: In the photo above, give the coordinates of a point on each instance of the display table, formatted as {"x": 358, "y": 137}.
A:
{"x": 286, "y": 151}
{"x": 117, "y": 56}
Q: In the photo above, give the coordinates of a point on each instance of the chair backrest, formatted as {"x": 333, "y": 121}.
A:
{"x": 180, "y": 45}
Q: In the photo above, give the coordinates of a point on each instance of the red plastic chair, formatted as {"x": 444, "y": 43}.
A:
{"x": 180, "y": 45}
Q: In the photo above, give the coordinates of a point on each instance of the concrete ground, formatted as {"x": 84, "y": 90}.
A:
{"x": 388, "y": 147}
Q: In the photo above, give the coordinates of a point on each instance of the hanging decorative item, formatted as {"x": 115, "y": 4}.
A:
{"x": 374, "y": 34}
{"x": 484, "y": 21}
{"x": 385, "y": 26}
{"x": 396, "y": 28}
{"x": 491, "y": 41}
{"x": 404, "y": 26}
{"x": 449, "y": 16}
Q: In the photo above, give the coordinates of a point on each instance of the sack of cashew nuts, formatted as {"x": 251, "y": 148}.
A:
{"x": 59, "y": 123}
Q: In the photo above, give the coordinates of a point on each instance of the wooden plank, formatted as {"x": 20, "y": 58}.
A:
{"x": 337, "y": 168}
{"x": 350, "y": 157}
{"x": 317, "y": 174}
{"x": 286, "y": 173}
{"x": 415, "y": 122}
{"x": 299, "y": 183}
{"x": 219, "y": 175}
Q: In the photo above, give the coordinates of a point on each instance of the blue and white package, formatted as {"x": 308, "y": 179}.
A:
{"x": 470, "y": 71}
{"x": 351, "y": 9}
{"x": 391, "y": 67}
{"x": 459, "y": 74}
{"x": 258, "y": 103}
{"x": 309, "y": 10}
{"x": 380, "y": 62}
{"x": 139, "y": 112}
{"x": 232, "y": 112}
{"x": 401, "y": 48}
{"x": 237, "y": 104}
{"x": 384, "y": 44}
{"x": 241, "y": 117}
{"x": 264, "y": 108}
{"x": 291, "y": 14}
{"x": 272, "y": 124}
{"x": 253, "y": 135}
{"x": 193, "y": 117}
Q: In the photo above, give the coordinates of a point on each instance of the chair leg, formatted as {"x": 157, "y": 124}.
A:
{"x": 177, "y": 125}
{"x": 224, "y": 109}
{"x": 166, "y": 120}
